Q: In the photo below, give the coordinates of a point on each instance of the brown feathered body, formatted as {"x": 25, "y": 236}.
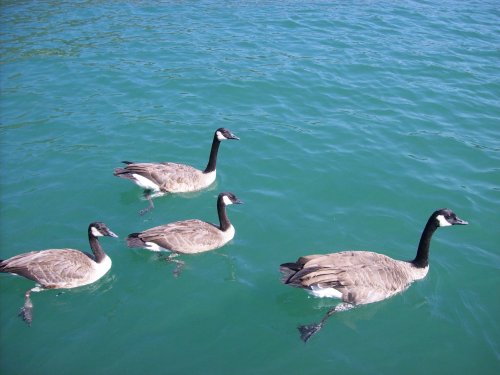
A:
{"x": 184, "y": 237}
{"x": 167, "y": 177}
{"x": 57, "y": 268}
{"x": 189, "y": 236}
{"x": 356, "y": 277}
{"x": 170, "y": 177}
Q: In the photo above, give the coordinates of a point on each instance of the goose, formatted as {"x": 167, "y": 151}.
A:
{"x": 167, "y": 177}
{"x": 361, "y": 277}
{"x": 60, "y": 268}
{"x": 188, "y": 236}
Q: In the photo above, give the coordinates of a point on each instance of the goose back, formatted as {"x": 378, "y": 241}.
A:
{"x": 187, "y": 237}
{"x": 167, "y": 177}
{"x": 57, "y": 268}
{"x": 170, "y": 177}
{"x": 357, "y": 277}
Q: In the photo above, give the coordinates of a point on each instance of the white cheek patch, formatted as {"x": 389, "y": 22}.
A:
{"x": 442, "y": 221}
{"x": 95, "y": 232}
{"x": 220, "y": 136}
{"x": 226, "y": 200}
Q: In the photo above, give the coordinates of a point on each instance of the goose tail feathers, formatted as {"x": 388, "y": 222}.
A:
{"x": 122, "y": 172}
{"x": 287, "y": 271}
{"x": 307, "y": 330}
{"x": 133, "y": 240}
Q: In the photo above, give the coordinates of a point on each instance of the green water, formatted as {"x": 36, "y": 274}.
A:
{"x": 356, "y": 119}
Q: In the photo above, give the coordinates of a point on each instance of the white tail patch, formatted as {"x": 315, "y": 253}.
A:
{"x": 145, "y": 183}
{"x": 153, "y": 247}
{"x": 324, "y": 292}
{"x": 442, "y": 221}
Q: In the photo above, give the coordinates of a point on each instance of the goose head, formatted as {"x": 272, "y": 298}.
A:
{"x": 228, "y": 198}
{"x": 99, "y": 229}
{"x": 446, "y": 217}
{"x": 223, "y": 134}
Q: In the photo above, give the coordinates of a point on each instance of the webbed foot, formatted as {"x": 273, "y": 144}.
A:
{"x": 179, "y": 263}
{"x": 26, "y": 312}
{"x": 307, "y": 330}
{"x": 178, "y": 267}
{"x": 148, "y": 197}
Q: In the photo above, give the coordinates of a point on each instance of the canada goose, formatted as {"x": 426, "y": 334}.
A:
{"x": 361, "y": 277}
{"x": 60, "y": 268}
{"x": 189, "y": 236}
{"x": 173, "y": 177}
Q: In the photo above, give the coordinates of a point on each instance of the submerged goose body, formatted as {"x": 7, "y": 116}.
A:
{"x": 189, "y": 236}
{"x": 362, "y": 277}
{"x": 174, "y": 177}
{"x": 61, "y": 268}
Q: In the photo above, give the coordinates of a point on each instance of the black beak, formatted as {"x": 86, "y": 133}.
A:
{"x": 112, "y": 234}
{"x": 459, "y": 221}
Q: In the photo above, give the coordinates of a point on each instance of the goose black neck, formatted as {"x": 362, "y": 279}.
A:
{"x": 223, "y": 219}
{"x": 96, "y": 247}
{"x": 212, "y": 160}
{"x": 422, "y": 258}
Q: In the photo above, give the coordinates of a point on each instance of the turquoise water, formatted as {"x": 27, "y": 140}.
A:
{"x": 356, "y": 119}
